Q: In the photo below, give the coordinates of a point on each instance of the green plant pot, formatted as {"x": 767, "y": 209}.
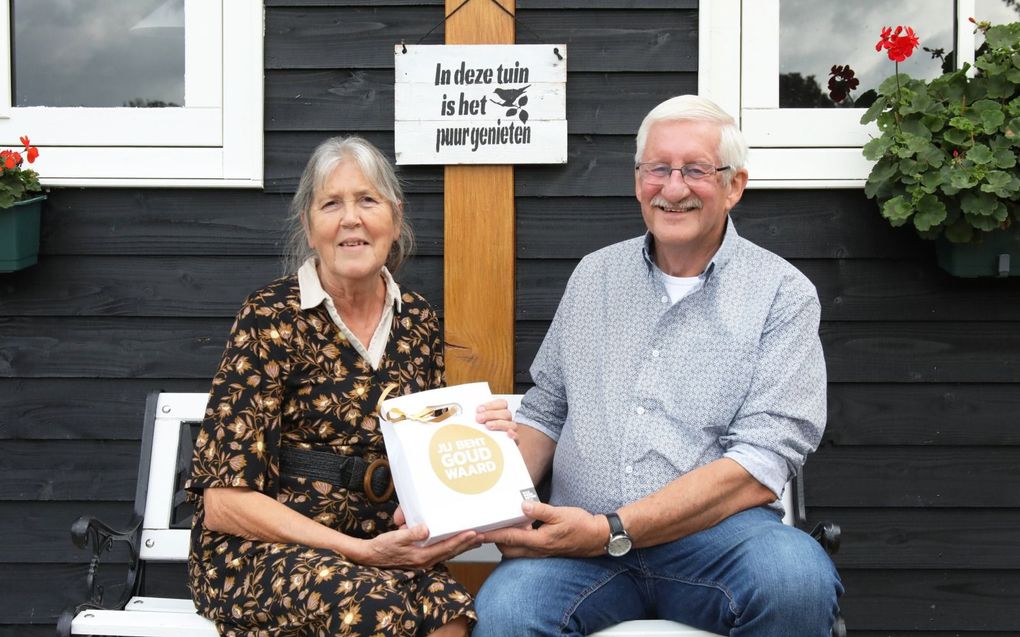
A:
{"x": 19, "y": 234}
{"x": 996, "y": 255}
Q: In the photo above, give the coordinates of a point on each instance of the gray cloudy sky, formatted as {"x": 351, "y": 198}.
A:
{"x": 86, "y": 53}
{"x": 816, "y": 34}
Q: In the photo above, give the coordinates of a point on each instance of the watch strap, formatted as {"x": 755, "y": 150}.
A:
{"x": 615, "y": 524}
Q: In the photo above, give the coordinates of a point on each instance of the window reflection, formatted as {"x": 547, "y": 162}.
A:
{"x": 98, "y": 53}
{"x": 818, "y": 35}
{"x": 996, "y": 12}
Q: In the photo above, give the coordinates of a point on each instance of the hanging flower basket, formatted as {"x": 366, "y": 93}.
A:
{"x": 996, "y": 254}
{"x": 19, "y": 234}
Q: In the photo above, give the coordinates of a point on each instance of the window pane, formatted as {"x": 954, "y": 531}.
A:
{"x": 98, "y": 53}
{"x": 996, "y": 12}
{"x": 816, "y": 35}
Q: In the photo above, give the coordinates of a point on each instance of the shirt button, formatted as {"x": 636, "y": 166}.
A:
{"x": 640, "y": 410}
{"x": 664, "y": 299}
{"x": 655, "y": 353}
{"x": 628, "y": 469}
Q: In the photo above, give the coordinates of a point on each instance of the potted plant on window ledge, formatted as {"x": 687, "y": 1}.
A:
{"x": 20, "y": 207}
{"x": 946, "y": 158}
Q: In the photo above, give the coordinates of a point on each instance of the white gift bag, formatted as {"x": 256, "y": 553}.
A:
{"x": 450, "y": 472}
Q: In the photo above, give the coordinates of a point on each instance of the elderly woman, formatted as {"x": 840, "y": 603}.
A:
{"x": 294, "y": 530}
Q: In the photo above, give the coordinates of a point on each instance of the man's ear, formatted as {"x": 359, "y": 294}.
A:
{"x": 737, "y": 186}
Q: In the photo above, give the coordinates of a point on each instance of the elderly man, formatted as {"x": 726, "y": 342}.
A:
{"x": 680, "y": 386}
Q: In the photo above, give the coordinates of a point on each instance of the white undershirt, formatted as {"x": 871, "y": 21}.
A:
{"x": 677, "y": 287}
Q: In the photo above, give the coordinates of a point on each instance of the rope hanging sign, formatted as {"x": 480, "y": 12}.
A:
{"x": 480, "y": 104}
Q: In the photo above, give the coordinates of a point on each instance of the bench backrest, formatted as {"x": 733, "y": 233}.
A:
{"x": 166, "y": 445}
{"x": 166, "y": 460}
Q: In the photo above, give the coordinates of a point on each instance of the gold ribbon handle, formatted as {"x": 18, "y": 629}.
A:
{"x": 428, "y": 414}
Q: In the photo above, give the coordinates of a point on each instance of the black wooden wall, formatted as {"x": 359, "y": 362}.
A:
{"x": 136, "y": 289}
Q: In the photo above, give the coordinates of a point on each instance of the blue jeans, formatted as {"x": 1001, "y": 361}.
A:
{"x": 748, "y": 575}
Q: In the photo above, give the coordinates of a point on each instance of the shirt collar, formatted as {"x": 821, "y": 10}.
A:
{"x": 718, "y": 260}
{"x": 312, "y": 294}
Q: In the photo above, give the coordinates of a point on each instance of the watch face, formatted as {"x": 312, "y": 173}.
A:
{"x": 618, "y": 545}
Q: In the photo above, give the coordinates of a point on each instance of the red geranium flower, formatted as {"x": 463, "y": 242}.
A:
{"x": 30, "y": 150}
{"x": 899, "y": 44}
{"x": 17, "y": 181}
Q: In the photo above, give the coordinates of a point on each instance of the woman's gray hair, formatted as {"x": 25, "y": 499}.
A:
{"x": 732, "y": 149}
{"x": 324, "y": 160}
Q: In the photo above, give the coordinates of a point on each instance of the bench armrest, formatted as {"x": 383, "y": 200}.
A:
{"x": 86, "y": 531}
{"x": 827, "y": 534}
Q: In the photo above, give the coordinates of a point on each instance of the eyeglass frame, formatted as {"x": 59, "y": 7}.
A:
{"x": 681, "y": 169}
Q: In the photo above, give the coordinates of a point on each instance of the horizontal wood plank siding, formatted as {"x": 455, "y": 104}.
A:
{"x": 184, "y": 222}
{"x": 136, "y": 289}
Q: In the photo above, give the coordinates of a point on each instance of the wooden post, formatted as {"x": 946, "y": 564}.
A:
{"x": 478, "y": 268}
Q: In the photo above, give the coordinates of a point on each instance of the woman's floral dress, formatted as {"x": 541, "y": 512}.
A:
{"x": 290, "y": 378}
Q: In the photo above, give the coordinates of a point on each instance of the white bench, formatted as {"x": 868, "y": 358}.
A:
{"x": 151, "y": 538}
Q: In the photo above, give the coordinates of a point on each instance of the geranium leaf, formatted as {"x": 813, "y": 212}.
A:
{"x": 877, "y": 147}
{"x": 897, "y": 210}
{"x": 930, "y": 212}
{"x": 912, "y": 126}
{"x": 977, "y": 203}
{"x": 874, "y": 110}
{"x": 1005, "y": 158}
{"x": 980, "y": 154}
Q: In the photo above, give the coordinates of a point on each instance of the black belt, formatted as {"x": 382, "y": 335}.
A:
{"x": 348, "y": 472}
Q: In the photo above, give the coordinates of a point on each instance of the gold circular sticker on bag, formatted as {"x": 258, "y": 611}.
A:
{"x": 465, "y": 459}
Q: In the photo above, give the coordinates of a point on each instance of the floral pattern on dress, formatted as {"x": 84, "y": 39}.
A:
{"x": 289, "y": 378}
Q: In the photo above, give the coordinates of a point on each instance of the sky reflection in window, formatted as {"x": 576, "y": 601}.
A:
{"x": 98, "y": 53}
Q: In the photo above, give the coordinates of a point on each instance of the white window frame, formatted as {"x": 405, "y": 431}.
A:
{"x": 216, "y": 140}
{"x": 790, "y": 147}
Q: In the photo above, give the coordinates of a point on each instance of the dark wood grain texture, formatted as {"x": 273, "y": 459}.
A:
{"x": 136, "y": 288}
{"x": 81, "y": 408}
{"x": 597, "y": 40}
{"x": 165, "y": 286}
{"x": 883, "y": 352}
{"x": 849, "y": 290}
{"x": 362, "y": 100}
{"x": 185, "y": 222}
{"x": 923, "y": 477}
{"x": 921, "y": 599}
{"x": 803, "y": 224}
{"x": 872, "y": 414}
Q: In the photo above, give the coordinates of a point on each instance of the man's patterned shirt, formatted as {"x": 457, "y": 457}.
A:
{"x": 637, "y": 391}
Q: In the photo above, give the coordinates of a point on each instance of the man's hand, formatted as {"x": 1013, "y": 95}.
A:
{"x": 565, "y": 532}
{"x": 495, "y": 415}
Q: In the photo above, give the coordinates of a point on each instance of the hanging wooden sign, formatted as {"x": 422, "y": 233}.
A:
{"x": 481, "y": 104}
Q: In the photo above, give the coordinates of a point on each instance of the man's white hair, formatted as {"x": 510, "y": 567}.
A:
{"x": 732, "y": 149}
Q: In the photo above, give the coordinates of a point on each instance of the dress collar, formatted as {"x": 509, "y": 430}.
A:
{"x": 312, "y": 294}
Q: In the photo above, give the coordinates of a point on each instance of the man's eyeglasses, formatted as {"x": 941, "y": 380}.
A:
{"x": 658, "y": 173}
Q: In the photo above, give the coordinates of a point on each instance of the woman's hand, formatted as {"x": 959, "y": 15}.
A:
{"x": 495, "y": 416}
{"x": 397, "y": 549}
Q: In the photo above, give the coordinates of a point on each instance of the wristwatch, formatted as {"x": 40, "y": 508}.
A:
{"x": 619, "y": 542}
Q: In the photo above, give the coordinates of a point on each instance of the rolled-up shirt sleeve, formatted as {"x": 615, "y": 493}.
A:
{"x": 783, "y": 416}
